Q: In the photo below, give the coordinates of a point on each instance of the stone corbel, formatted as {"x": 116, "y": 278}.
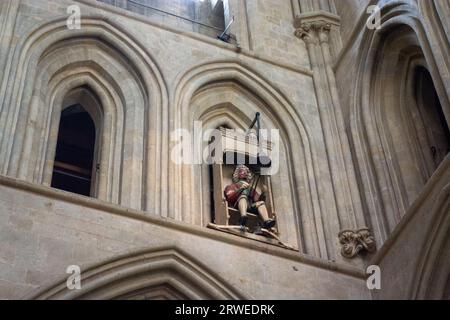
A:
{"x": 306, "y": 32}
{"x": 323, "y": 32}
{"x": 313, "y": 31}
{"x": 315, "y": 27}
{"x": 354, "y": 242}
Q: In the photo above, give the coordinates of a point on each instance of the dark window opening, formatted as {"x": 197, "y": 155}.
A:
{"x": 74, "y": 158}
{"x": 434, "y": 119}
{"x": 206, "y": 17}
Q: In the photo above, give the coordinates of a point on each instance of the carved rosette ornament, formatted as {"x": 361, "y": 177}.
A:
{"x": 353, "y": 242}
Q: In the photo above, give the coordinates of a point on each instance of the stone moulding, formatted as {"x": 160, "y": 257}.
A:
{"x": 167, "y": 273}
{"x": 120, "y": 211}
{"x": 321, "y": 15}
{"x": 354, "y": 242}
{"x": 266, "y": 235}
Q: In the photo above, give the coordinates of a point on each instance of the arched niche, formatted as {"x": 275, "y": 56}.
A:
{"x": 161, "y": 273}
{"x": 230, "y": 92}
{"x": 385, "y": 129}
{"x": 89, "y": 64}
{"x": 231, "y": 105}
{"x": 53, "y": 61}
{"x": 77, "y": 150}
{"x": 409, "y": 115}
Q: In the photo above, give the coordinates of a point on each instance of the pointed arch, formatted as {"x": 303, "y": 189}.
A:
{"x": 116, "y": 66}
{"x": 391, "y": 53}
{"x": 74, "y": 167}
{"x": 205, "y": 82}
{"x": 167, "y": 273}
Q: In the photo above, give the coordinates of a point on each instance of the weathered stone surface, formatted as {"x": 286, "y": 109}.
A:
{"x": 362, "y": 140}
{"x": 257, "y": 270}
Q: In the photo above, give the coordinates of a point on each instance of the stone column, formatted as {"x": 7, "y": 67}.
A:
{"x": 295, "y": 8}
{"x": 316, "y": 30}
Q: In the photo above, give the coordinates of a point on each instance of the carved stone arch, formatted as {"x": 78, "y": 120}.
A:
{"x": 230, "y": 101}
{"x": 162, "y": 273}
{"x": 52, "y": 85}
{"x": 224, "y": 115}
{"x": 277, "y": 109}
{"x": 111, "y": 41}
{"x": 372, "y": 111}
{"x": 86, "y": 97}
{"x": 110, "y": 127}
{"x": 432, "y": 276}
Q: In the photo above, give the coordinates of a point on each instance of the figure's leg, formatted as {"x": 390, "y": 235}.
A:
{"x": 264, "y": 214}
{"x": 243, "y": 207}
{"x": 262, "y": 210}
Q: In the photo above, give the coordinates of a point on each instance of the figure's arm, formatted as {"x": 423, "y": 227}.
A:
{"x": 232, "y": 192}
{"x": 244, "y": 185}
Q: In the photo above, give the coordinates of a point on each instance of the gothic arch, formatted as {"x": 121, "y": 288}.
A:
{"x": 163, "y": 273}
{"x": 75, "y": 73}
{"x": 229, "y": 103}
{"x": 241, "y": 81}
{"x": 78, "y": 101}
{"x": 114, "y": 66}
{"x": 398, "y": 46}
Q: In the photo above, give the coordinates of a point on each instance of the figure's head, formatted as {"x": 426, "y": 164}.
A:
{"x": 242, "y": 173}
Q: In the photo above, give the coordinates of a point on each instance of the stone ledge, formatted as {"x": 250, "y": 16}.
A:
{"x": 180, "y": 226}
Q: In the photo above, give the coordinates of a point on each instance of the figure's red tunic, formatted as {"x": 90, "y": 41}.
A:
{"x": 234, "y": 191}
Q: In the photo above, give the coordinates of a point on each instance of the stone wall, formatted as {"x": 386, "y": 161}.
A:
{"x": 352, "y": 13}
{"x": 272, "y": 31}
{"x": 152, "y": 78}
{"x": 43, "y": 231}
{"x": 147, "y": 75}
{"x": 204, "y": 17}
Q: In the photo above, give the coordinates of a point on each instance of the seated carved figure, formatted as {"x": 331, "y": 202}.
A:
{"x": 243, "y": 197}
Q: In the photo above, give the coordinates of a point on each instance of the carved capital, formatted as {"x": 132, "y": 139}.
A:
{"x": 313, "y": 32}
{"x": 306, "y": 32}
{"x": 353, "y": 242}
{"x": 323, "y": 32}
{"x": 315, "y": 27}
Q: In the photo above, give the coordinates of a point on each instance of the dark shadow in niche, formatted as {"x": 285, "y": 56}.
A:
{"x": 74, "y": 152}
{"x": 438, "y": 132}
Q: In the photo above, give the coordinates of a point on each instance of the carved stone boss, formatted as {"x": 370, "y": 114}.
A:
{"x": 354, "y": 242}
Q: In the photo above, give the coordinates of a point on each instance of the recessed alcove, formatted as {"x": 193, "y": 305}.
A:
{"x": 74, "y": 160}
